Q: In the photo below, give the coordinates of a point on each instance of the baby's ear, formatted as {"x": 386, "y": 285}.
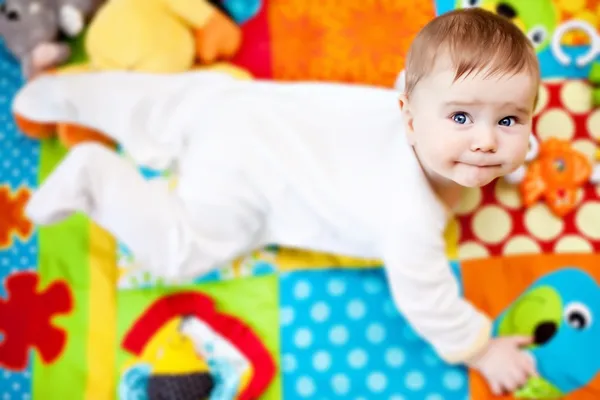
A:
{"x": 407, "y": 117}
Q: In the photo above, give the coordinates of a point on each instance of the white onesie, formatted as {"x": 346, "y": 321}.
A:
{"x": 317, "y": 166}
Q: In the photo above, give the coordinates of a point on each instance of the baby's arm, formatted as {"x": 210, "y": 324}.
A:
{"x": 427, "y": 293}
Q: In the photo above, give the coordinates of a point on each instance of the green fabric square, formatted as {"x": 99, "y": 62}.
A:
{"x": 254, "y": 300}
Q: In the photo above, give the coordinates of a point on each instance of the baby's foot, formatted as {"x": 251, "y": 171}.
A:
{"x": 67, "y": 189}
{"x": 43, "y": 100}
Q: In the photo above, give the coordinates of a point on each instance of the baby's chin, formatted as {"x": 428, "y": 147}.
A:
{"x": 472, "y": 181}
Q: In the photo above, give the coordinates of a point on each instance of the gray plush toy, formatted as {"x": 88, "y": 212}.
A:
{"x": 31, "y": 30}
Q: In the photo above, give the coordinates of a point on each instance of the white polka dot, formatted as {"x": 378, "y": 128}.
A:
{"x": 521, "y": 244}
{"x": 376, "y": 382}
{"x": 434, "y": 396}
{"x": 576, "y": 96}
{"x": 394, "y": 357}
{"x": 356, "y": 309}
{"x": 414, "y": 380}
{"x": 469, "y": 201}
{"x": 288, "y": 363}
{"x": 305, "y": 386}
{"x": 507, "y": 194}
{"x": 338, "y": 335}
{"x": 336, "y": 287}
{"x": 586, "y": 147}
{"x": 397, "y": 397}
{"x": 472, "y": 250}
{"x": 340, "y": 384}
{"x": 321, "y": 361}
{"x": 375, "y": 333}
{"x": 373, "y": 286}
{"x": 287, "y": 315}
{"x": 303, "y": 338}
{"x": 555, "y": 122}
{"x": 492, "y": 224}
{"x": 588, "y": 220}
{"x": 357, "y": 358}
{"x": 542, "y": 224}
{"x": 593, "y": 124}
{"x": 16, "y": 387}
{"x": 319, "y": 312}
{"x": 573, "y": 244}
{"x": 543, "y": 97}
{"x": 453, "y": 380}
{"x": 302, "y": 290}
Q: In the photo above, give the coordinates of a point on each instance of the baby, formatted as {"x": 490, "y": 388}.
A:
{"x": 344, "y": 169}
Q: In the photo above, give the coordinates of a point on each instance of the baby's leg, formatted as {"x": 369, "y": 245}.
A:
{"x": 133, "y": 109}
{"x": 149, "y": 220}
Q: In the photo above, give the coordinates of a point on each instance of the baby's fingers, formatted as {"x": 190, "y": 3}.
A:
{"x": 496, "y": 388}
{"x": 521, "y": 341}
{"x": 528, "y": 364}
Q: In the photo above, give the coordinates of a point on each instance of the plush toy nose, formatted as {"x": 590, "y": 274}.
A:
{"x": 544, "y": 332}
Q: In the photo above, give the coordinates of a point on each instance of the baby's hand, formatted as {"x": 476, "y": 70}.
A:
{"x": 504, "y": 364}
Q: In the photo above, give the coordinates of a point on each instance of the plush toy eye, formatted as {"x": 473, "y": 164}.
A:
{"x": 578, "y": 316}
{"x": 471, "y": 3}
{"x": 537, "y": 35}
{"x": 11, "y": 15}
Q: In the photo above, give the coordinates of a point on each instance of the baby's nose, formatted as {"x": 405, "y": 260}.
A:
{"x": 485, "y": 141}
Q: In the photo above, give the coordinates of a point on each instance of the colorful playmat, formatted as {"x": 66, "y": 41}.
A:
{"x": 77, "y": 323}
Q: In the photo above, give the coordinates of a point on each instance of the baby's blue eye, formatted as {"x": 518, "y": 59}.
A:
{"x": 507, "y": 121}
{"x": 459, "y": 118}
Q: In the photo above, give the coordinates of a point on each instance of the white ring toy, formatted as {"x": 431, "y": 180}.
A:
{"x": 595, "y": 178}
{"x": 572, "y": 25}
{"x": 534, "y": 148}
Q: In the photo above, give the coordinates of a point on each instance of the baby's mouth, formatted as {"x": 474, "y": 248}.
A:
{"x": 480, "y": 165}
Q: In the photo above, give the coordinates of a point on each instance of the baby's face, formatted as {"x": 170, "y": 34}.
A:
{"x": 473, "y": 130}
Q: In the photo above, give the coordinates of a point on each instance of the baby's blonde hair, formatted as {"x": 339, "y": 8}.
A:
{"x": 475, "y": 40}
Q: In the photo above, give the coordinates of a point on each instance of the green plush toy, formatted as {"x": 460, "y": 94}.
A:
{"x": 559, "y": 312}
{"x": 540, "y": 304}
{"x": 536, "y": 18}
{"x": 595, "y": 80}
{"x": 538, "y": 389}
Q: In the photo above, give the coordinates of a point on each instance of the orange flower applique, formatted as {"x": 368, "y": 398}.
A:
{"x": 12, "y": 216}
{"x": 556, "y": 174}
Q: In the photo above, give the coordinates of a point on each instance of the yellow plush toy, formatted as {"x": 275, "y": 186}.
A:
{"x": 156, "y": 36}
{"x": 159, "y": 35}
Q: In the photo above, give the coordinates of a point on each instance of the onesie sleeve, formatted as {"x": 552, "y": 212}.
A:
{"x": 426, "y": 292}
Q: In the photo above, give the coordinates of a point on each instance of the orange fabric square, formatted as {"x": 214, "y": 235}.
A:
{"x": 492, "y": 284}
{"x": 353, "y": 41}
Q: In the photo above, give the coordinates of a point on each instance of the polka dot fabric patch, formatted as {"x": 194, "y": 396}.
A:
{"x": 18, "y": 175}
{"x": 342, "y": 338}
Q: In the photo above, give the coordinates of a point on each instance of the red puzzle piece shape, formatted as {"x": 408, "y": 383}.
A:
{"x": 26, "y": 320}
